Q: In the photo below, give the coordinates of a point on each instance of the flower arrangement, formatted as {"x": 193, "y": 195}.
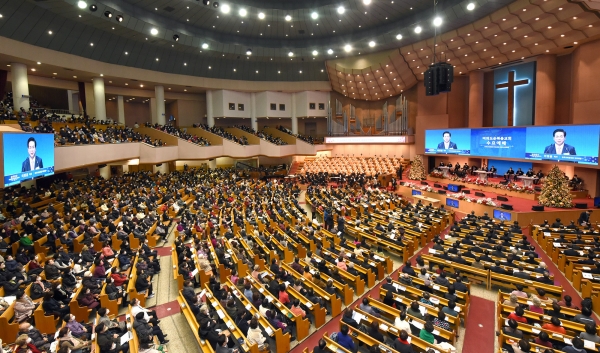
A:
{"x": 427, "y": 188}
{"x": 487, "y": 201}
{"x": 476, "y": 181}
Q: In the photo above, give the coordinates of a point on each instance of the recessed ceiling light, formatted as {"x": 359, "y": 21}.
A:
{"x": 347, "y": 48}
{"x": 142, "y": 86}
{"x": 49, "y": 32}
{"x": 127, "y": 84}
{"x": 248, "y": 51}
{"x": 372, "y": 43}
{"x": 314, "y": 15}
{"x": 204, "y": 45}
{"x": 418, "y": 29}
{"x": 82, "y": 4}
{"x": 101, "y": 75}
{"x": 341, "y": 10}
{"x": 315, "y": 53}
{"x": 288, "y": 17}
{"x": 225, "y": 8}
{"x": 210, "y": 67}
{"x": 126, "y": 53}
{"x": 471, "y": 6}
{"x": 278, "y": 72}
{"x": 74, "y": 76}
{"x": 300, "y": 71}
{"x": 261, "y": 15}
{"x": 39, "y": 63}
{"x": 32, "y": 69}
{"x": 154, "y": 31}
{"x": 243, "y": 12}
{"x": 291, "y": 54}
{"x": 234, "y": 70}
{"x": 399, "y": 36}
{"x": 329, "y": 51}
{"x": 54, "y": 73}
{"x": 92, "y": 44}
{"x": 437, "y": 21}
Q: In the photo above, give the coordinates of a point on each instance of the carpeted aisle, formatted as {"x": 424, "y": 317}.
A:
{"x": 480, "y": 329}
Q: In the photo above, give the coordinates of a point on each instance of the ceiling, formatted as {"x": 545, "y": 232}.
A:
{"x": 519, "y": 32}
{"x": 61, "y": 25}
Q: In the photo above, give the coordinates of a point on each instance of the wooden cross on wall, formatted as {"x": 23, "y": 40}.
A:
{"x": 511, "y": 84}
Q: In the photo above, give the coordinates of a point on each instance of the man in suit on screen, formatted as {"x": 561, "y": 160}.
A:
{"x": 447, "y": 144}
{"x": 32, "y": 161}
{"x": 559, "y": 146}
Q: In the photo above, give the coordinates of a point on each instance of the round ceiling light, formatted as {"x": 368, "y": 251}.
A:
{"x": 315, "y": 53}
{"x": 204, "y": 45}
{"x": 216, "y": 4}
{"x": 367, "y": 2}
{"x": 347, "y": 48}
{"x": 291, "y": 54}
{"x": 108, "y": 14}
{"x": 154, "y": 31}
{"x": 399, "y": 36}
{"x": 329, "y": 51}
{"x": 437, "y": 21}
{"x": 206, "y": 2}
{"x": 288, "y": 17}
{"x": 341, "y": 10}
{"x": 418, "y": 29}
{"x": 176, "y": 37}
{"x": 314, "y": 15}
{"x": 82, "y": 4}
{"x": 243, "y": 12}
{"x": 471, "y": 6}
{"x": 93, "y": 8}
{"x": 261, "y": 15}
{"x": 248, "y": 51}
{"x": 372, "y": 43}
{"x": 225, "y": 8}
{"x": 119, "y": 18}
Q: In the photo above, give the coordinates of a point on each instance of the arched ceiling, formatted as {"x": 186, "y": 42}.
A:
{"x": 229, "y": 36}
{"x": 520, "y": 31}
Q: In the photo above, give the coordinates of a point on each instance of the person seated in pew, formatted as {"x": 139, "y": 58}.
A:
{"x": 555, "y": 326}
{"x": 146, "y": 331}
{"x": 65, "y": 339}
{"x": 536, "y": 307}
{"x": 408, "y": 269}
{"x": 585, "y": 316}
{"x": 426, "y": 333}
{"x": 590, "y": 333}
{"x": 78, "y": 330}
{"x": 348, "y": 319}
{"x": 496, "y": 268}
{"x": 110, "y": 342}
{"x": 402, "y": 343}
{"x": 522, "y": 346}
{"x": 451, "y": 295}
{"x": 442, "y": 280}
{"x": 425, "y": 299}
{"x": 440, "y": 321}
{"x": 23, "y": 344}
{"x": 545, "y": 278}
{"x": 520, "y": 273}
{"x": 555, "y": 311}
{"x": 320, "y": 348}
{"x": 366, "y": 307}
{"x": 518, "y": 315}
{"x": 278, "y": 322}
{"x": 345, "y": 340}
{"x": 114, "y": 326}
{"x": 512, "y": 301}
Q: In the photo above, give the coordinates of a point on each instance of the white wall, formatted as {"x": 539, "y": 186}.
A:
{"x": 163, "y": 169}
{"x": 303, "y": 99}
{"x": 221, "y": 100}
{"x": 265, "y": 99}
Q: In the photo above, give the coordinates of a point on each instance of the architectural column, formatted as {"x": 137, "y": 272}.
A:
{"x": 253, "y": 120}
{"x": 545, "y": 90}
{"x": 20, "y": 86}
{"x": 212, "y": 163}
{"x": 153, "y": 116}
{"x": 210, "y": 118}
{"x": 99, "y": 98}
{"x": 159, "y": 94}
{"x": 70, "y": 100}
{"x": 476, "y": 98}
{"x": 121, "y": 110}
{"x": 294, "y": 115}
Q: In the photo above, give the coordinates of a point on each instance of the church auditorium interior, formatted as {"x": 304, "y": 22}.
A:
{"x": 349, "y": 176}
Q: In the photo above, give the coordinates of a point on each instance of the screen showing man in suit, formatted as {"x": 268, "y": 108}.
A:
{"x": 559, "y": 146}
{"x": 446, "y": 144}
{"x": 32, "y": 162}
{"x": 39, "y": 161}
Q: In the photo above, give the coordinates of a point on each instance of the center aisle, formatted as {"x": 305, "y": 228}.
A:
{"x": 480, "y": 328}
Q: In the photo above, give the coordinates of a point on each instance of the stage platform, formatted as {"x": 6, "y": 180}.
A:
{"x": 521, "y": 202}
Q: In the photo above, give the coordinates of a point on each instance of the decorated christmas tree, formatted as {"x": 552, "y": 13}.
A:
{"x": 555, "y": 191}
{"x": 417, "y": 171}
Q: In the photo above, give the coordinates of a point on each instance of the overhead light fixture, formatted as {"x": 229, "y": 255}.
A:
{"x": 418, "y": 29}
{"x": 206, "y": 2}
{"x": 216, "y": 4}
{"x": 119, "y": 18}
{"x": 50, "y": 32}
{"x": 93, "y": 8}
{"x": 108, "y": 14}
{"x": 471, "y": 6}
{"x": 204, "y": 45}
{"x": 243, "y": 12}
{"x": 399, "y": 36}
{"x": 261, "y": 15}
{"x": 154, "y": 31}
{"x": 248, "y": 51}
{"x": 315, "y": 53}
{"x": 82, "y": 4}
{"x": 176, "y": 37}
{"x": 225, "y": 8}
{"x": 367, "y": 2}
{"x": 372, "y": 43}
{"x": 347, "y": 48}
{"x": 329, "y": 51}
{"x": 437, "y": 21}
{"x": 288, "y": 18}
{"x": 314, "y": 15}
{"x": 291, "y": 53}
{"x": 341, "y": 10}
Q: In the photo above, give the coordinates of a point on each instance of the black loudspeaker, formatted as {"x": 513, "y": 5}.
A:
{"x": 443, "y": 192}
{"x": 480, "y": 194}
{"x": 424, "y": 183}
{"x": 581, "y": 205}
{"x": 437, "y": 186}
{"x": 438, "y": 78}
{"x": 537, "y": 208}
{"x": 100, "y": 166}
{"x": 501, "y": 198}
{"x": 506, "y": 206}
{"x": 466, "y": 191}
{"x": 537, "y": 188}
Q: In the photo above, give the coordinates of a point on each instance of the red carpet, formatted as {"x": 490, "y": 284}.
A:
{"x": 480, "y": 332}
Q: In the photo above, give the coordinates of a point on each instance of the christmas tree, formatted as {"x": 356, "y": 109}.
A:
{"x": 417, "y": 171}
{"x": 555, "y": 191}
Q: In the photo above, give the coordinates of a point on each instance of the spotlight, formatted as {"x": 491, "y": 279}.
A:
{"x": 154, "y": 31}
{"x": 243, "y": 12}
{"x": 119, "y": 18}
{"x": 418, "y": 29}
{"x": 367, "y": 2}
{"x": 399, "y": 36}
{"x": 216, "y": 4}
{"x": 206, "y": 2}
{"x": 341, "y": 10}
{"x": 176, "y": 37}
{"x": 82, "y": 4}
{"x": 225, "y": 8}
{"x": 291, "y": 54}
{"x": 347, "y": 48}
{"x": 288, "y": 18}
{"x": 261, "y": 15}
{"x": 471, "y": 6}
{"x": 315, "y": 53}
{"x": 314, "y": 15}
{"x": 248, "y": 51}
{"x": 329, "y": 51}
{"x": 204, "y": 45}
{"x": 437, "y": 21}
{"x": 108, "y": 14}
{"x": 372, "y": 43}
{"x": 93, "y": 8}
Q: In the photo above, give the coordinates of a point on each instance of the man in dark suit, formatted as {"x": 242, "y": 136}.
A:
{"x": 388, "y": 286}
{"x": 521, "y": 274}
{"x": 447, "y": 144}
{"x": 559, "y": 146}
{"x": 584, "y": 217}
{"x": 32, "y": 161}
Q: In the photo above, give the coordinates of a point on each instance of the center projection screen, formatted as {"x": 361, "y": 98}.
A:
{"x": 569, "y": 143}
